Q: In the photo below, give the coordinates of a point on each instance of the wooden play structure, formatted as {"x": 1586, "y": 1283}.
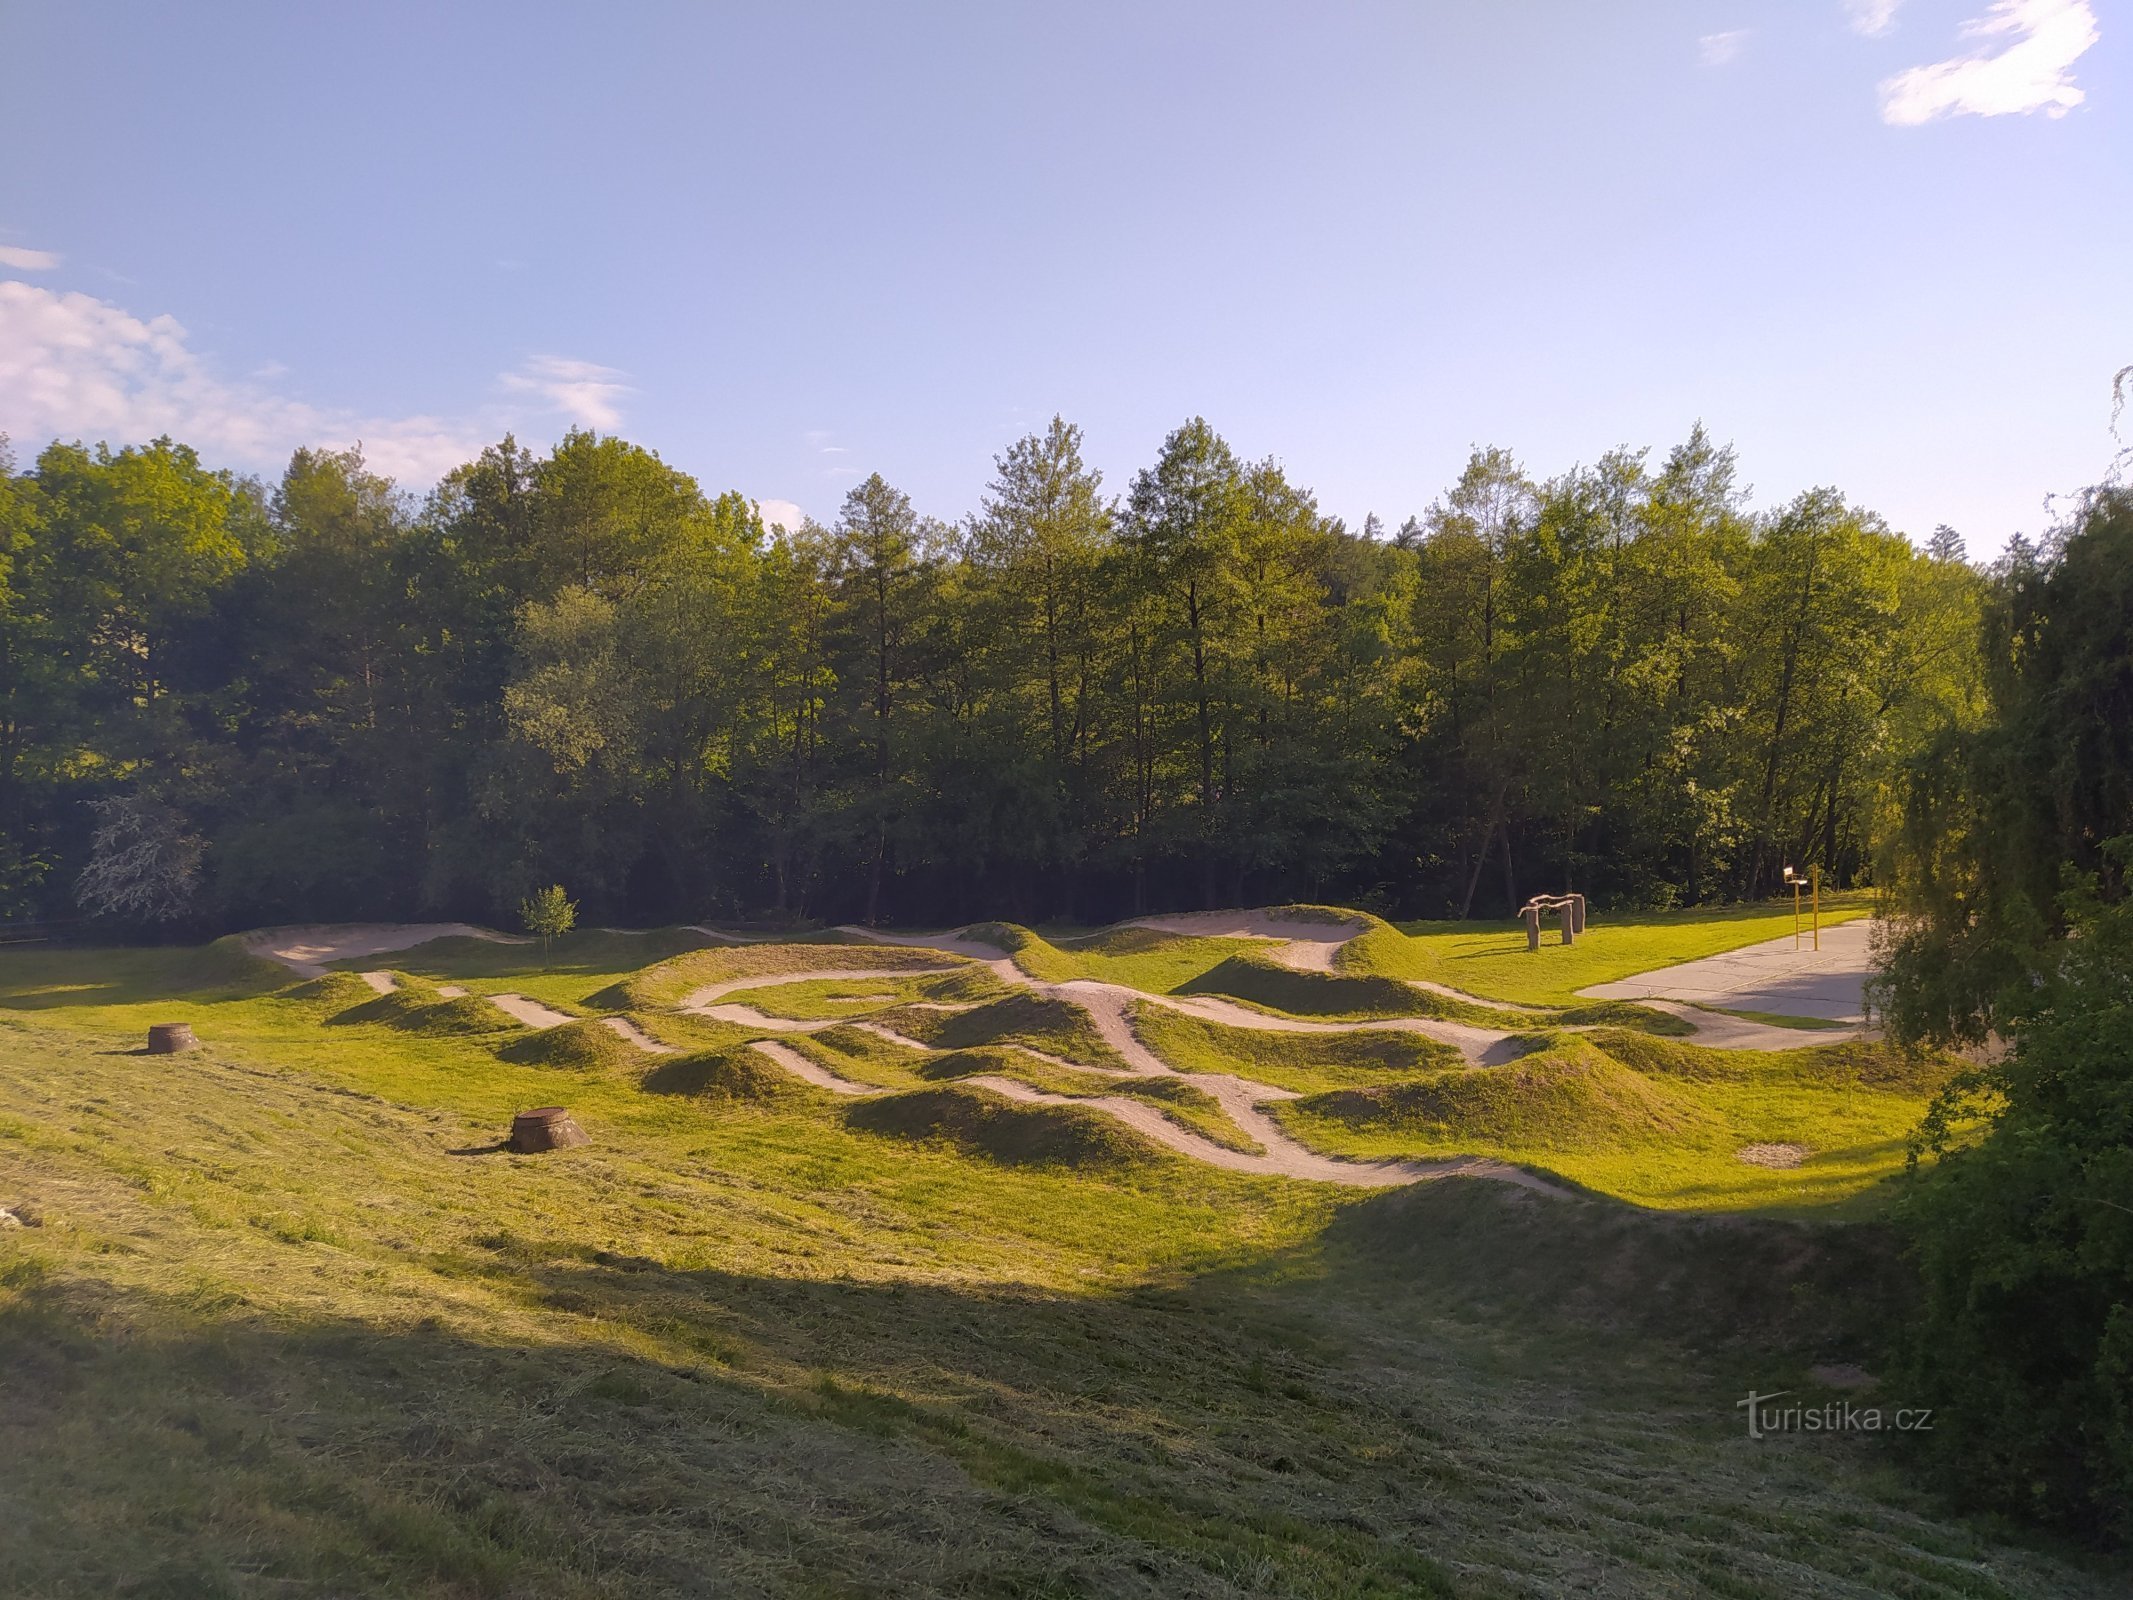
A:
{"x": 1570, "y": 914}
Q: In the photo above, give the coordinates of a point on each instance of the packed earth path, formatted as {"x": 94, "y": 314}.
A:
{"x": 1301, "y": 943}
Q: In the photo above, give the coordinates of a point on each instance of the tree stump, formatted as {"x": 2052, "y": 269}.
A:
{"x": 168, "y": 1038}
{"x": 545, "y": 1128}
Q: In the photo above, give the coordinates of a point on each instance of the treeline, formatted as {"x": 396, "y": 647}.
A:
{"x": 231, "y": 704}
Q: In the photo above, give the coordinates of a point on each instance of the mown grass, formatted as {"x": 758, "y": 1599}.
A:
{"x": 1655, "y": 1121}
{"x": 1491, "y": 960}
{"x": 287, "y": 1323}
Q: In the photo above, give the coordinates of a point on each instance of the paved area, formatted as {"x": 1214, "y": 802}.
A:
{"x": 1804, "y": 982}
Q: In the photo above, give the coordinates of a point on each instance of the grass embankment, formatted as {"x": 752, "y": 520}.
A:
{"x": 820, "y": 999}
{"x": 286, "y": 1322}
{"x": 1357, "y": 994}
{"x": 1137, "y": 958}
{"x": 670, "y": 982}
{"x": 565, "y": 976}
{"x": 1653, "y": 1121}
{"x": 1308, "y": 1063}
{"x": 1491, "y": 960}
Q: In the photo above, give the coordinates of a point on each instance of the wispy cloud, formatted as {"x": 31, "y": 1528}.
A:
{"x": 75, "y": 367}
{"x": 1872, "y": 17}
{"x": 588, "y": 394}
{"x": 13, "y": 255}
{"x": 2038, "y": 40}
{"x": 1720, "y": 49}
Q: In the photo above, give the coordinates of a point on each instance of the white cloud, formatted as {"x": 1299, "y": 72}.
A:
{"x": 1719, "y": 49}
{"x": 2029, "y": 73}
{"x": 75, "y": 367}
{"x": 27, "y": 260}
{"x": 585, "y": 392}
{"x": 1872, "y": 17}
{"x": 780, "y": 514}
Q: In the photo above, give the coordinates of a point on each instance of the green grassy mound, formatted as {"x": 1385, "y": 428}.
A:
{"x": 1305, "y": 1062}
{"x": 587, "y": 1045}
{"x": 414, "y": 1007}
{"x": 1868, "y": 1064}
{"x": 668, "y": 982}
{"x": 328, "y": 996}
{"x": 1139, "y": 958}
{"x": 1571, "y": 1097}
{"x": 1058, "y": 1027}
{"x": 1264, "y": 981}
{"x": 736, "y": 1074}
{"x": 1336, "y": 916}
{"x": 863, "y": 1057}
{"x": 983, "y": 1123}
{"x": 1657, "y": 1122}
{"x": 1190, "y": 1107}
{"x": 815, "y": 1000}
{"x": 461, "y": 956}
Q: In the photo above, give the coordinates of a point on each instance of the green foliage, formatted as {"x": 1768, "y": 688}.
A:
{"x": 2024, "y": 1340}
{"x": 2013, "y": 896}
{"x": 576, "y": 666}
{"x": 548, "y": 914}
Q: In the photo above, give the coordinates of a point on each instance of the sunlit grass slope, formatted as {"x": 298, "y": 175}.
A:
{"x": 286, "y": 1322}
{"x": 1654, "y": 1121}
{"x": 1138, "y": 958}
{"x": 1491, "y": 960}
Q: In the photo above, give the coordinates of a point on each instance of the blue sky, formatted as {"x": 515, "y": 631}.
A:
{"x": 1880, "y": 244}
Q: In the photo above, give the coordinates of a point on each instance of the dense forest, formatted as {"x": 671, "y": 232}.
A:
{"x": 225, "y": 703}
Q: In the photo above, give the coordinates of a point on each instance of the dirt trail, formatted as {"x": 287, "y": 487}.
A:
{"x": 531, "y": 1012}
{"x": 637, "y": 1036}
{"x": 800, "y": 1067}
{"x": 1283, "y": 1157}
{"x": 748, "y": 1017}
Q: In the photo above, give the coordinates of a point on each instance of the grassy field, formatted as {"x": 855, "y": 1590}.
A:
{"x": 1492, "y": 961}
{"x": 288, "y": 1322}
